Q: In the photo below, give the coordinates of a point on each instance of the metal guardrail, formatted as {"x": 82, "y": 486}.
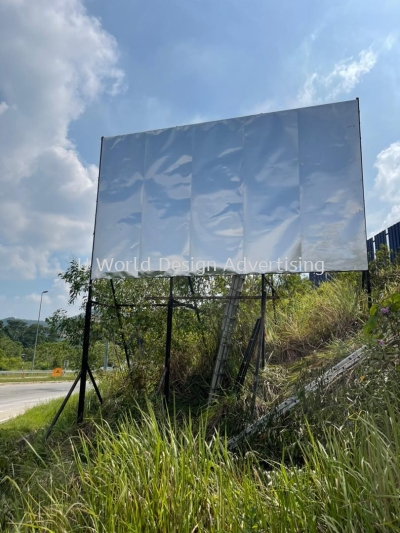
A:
{"x": 7, "y": 372}
{"x": 328, "y": 377}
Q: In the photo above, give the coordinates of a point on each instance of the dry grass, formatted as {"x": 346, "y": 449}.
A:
{"x": 308, "y": 323}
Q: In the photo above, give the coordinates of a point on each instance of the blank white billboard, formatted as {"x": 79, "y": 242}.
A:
{"x": 276, "y": 192}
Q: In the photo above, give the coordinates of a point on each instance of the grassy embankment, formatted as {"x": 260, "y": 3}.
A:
{"x": 332, "y": 465}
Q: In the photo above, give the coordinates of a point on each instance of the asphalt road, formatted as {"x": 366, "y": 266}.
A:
{"x": 16, "y": 398}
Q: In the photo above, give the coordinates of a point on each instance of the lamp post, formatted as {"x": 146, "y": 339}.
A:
{"x": 37, "y": 330}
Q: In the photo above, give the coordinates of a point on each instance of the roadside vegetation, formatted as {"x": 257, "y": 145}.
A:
{"x": 330, "y": 465}
{"x": 17, "y": 340}
{"x": 35, "y": 378}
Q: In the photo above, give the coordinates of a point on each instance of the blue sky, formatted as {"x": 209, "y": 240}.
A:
{"x": 74, "y": 70}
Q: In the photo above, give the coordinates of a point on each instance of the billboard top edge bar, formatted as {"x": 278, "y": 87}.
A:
{"x": 281, "y": 186}
{"x": 228, "y": 118}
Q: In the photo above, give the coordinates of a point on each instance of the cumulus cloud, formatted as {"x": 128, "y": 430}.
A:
{"x": 393, "y": 217}
{"x": 27, "y": 262}
{"x": 387, "y": 181}
{"x": 343, "y": 78}
{"x": 36, "y": 297}
{"x": 56, "y": 60}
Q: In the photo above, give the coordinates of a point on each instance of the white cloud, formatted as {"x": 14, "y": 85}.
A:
{"x": 27, "y": 262}
{"x": 261, "y": 107}
{"x": 343, "y": 78}
{"x": 393, "y": 217}
{"x": 36, "y": 297}
{"x": 307, "y": 93}
{"x": 387, "y": 181}
{"x": 3, "y": 107}
{"x": 389, "y": 42}
{"x": 347, "y": 74}
{"x": 55, "y": 61}
{"x": 198, "y": 119}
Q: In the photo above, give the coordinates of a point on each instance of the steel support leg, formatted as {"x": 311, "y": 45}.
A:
{"x": 170, "y": 308}
{"x": 85, "y": 356}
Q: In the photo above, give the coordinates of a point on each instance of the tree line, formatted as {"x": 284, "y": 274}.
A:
{"x": 17, "y": 341}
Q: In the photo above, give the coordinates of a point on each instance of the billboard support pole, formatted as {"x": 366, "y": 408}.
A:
{"x": 88, "y": 315}
{"x": 247, "y": 356}
{"x": 85, "y": 370}
{"x": 120, "y": 324}
{"x": 96, "y": 388}
{"x": 170, "y": 308}
{"x": 190, "y": 283}
{"x": 262, "y": 331}
{"x": 85, "y": 356}
{"x": 273, "y": 297}
{"x": 369, "y": 290}
{"x": 83, "y": 373}
{"x": 260, "y": 361}
{"x": 61, "y": 409}
{"x": 257, "y": 370}
{"x": 366, "y": 282}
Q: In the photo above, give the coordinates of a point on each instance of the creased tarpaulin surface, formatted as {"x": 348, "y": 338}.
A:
{"x": 243, "y": 193}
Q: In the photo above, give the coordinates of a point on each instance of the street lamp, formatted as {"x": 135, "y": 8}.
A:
{"x": 37, "y": 330}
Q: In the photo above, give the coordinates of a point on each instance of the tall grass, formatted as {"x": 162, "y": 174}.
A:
{"x": 149, "y": 477}
{"x": 337, "y": 472}
{"x": 315, "y": 318}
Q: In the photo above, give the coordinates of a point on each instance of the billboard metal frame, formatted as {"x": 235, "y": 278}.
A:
{"x": 171, "y": 302}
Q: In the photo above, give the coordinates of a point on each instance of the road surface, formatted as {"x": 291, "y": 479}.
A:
{"x": 16, "y": 398}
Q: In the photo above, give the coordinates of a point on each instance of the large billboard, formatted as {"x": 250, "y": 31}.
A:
{"x": 275, "y": 192}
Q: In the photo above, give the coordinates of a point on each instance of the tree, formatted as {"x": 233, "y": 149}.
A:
{"x": 51, "y": 355}
{"x": 19, "y": 331}
{"x": 15, "y": 329}
{"x": 144, "y": 320}
{"x": 10, "y": 354}
{"x": 11, "y": 348}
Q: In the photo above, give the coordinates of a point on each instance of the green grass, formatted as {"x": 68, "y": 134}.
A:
{"x": 17, "y": 378}
{"x": 314, "y": 319}
{"x": 150, "y": 477}
{"x": 330, "y": 466}
{"x": 38, "y": 417}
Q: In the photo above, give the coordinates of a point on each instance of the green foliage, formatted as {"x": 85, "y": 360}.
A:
{"x": 19, "y": 331}
{"x": 385, "y": 274}
{"x": 143, "y": 322}
{"x": 67, "y": 327}
{"x": 10, "y": 354}
{"x": 11, "y": 348}
{"x": 146, "y": 476}
{"x": 311, "y": 318}
{"x": 329, "y": 466}
{"x": 15, "y": 329}
{"x": 306, "y": 319}
{"x": 384, "y": 321}
{"x": 51, "y": 355}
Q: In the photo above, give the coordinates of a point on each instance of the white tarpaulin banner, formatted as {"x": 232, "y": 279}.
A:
{"x": 276, "y": 192}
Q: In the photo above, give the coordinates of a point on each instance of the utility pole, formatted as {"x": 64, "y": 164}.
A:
{"x": 37, "y": 330}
